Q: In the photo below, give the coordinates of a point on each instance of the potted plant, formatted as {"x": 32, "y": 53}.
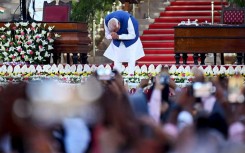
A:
{"x": 88, "y": 10}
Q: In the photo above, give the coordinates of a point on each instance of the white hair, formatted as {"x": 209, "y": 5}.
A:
{"x": 112, "y": 24}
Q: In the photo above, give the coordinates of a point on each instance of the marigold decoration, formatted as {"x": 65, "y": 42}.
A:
{"x": 26, "y": 42}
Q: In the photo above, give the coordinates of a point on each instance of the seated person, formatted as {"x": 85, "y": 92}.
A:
{"x": 36, "y": 9}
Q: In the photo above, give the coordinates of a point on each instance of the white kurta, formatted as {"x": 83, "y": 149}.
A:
{"x": 38, "y": 14}
{"x": 122, "y": 53}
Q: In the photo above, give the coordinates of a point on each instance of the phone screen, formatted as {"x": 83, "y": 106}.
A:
{"x": 203, "y": 89}
{"x": 235, "y": 86}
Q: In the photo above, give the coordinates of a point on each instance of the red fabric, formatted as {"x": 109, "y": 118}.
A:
{"x": 56, "y": 14}
{"x": 234, "y": 17}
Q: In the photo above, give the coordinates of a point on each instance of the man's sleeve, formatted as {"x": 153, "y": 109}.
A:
{"x": 131, "y": 33}
{"x": 107, "y": 32}
{"x": 30, "y": 8}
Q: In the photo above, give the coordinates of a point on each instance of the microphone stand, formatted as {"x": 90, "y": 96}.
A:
{"x": 23, "y": 11}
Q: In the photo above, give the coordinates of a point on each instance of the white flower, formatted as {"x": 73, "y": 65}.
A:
{"x": 2, "y": 29}
{"x": 40, "y": 58}
{"x": 57, "y": 35}
{"x": 8, "y": 32}
{"x": 6, "y": 58}
{"x": 39, "y": 24}
{"x": 33, "y": 24}
{"x": 7, "y": 25}
{"x": 50, "y": 28}
{"x": 38, "y": 40}
{"x": 22, "y": 52}
{"x": 41, "y": 48}
{"x": 44, "y": 43}
{"x": 46, "y": 54}
{"x": 11, "y": 49}
{"x": 37, "y": 53}
{"x": 24, "y": 24}
{"x": 26, "y": 46}
{"x": 17, "y": 24}
{"x": 5, "y": 53}
{"x": 50, "y": 47}
{"x": 6, "y": 44}
{"x": 51, "y": 40}
{"x": 44, "y": 32}
{"x": 143, "y": 69}
{"x": 28, "y": 31}
{"x": 24, "y": 41}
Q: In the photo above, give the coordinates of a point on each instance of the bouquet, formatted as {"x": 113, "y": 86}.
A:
{"x": 26, "y": 42}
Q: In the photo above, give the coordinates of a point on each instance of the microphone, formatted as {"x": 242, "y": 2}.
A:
{"x": 13, "y": 18}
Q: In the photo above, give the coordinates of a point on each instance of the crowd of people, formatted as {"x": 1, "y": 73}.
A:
{"x": 101, "y": 116}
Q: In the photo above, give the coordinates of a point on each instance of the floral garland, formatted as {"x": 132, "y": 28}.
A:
{"x": 26, "y": 42}
{"x": 79, "y": 73}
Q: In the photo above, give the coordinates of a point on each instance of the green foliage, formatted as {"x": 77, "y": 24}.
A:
{"x": 240, "y": 3}
{"x": 88, "y": 10}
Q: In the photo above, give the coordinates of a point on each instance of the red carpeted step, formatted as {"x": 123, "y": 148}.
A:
{"x": 158, "y": 37}
{"x": 162, "y": 25}
{"x": 159, "y": 51}
{"x": 157, "y": 58}
{"x": 158, "y": 31}
{"x": 179, "y": 19}
{"x": 196, "y": 3}
{"x": 152, "y": 57}
{"x": 158, "y": 44}
{"x": 156, "y": 63}
{"x": 188, "y": 8}
{"x": 187, "y": 13}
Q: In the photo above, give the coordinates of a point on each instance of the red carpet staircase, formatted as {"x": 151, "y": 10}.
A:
{"x": 158, "y": 39}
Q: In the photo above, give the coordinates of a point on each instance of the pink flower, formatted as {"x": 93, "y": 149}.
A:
{"x": 14, "y": 28}
{"x": 31, "y": 52}
{"x": 32, "y": 28}
{"x": 20, "y": 49}
{"x": 11, "y": 43}
{"x": 16, "y": 37}
{"x": 37, "y": 37}
{"x": 13, "y": 57}
{"x": 22, "y": 33}
{"x": 19, "y": 42}
{"x": 40, "y": 46}
{"x": 3, "y": 36}
{"x": 28, "y": 43}
{"x": 23, "y": 56}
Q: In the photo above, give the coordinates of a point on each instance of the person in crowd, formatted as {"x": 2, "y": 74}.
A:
{"x": 123, "y": 29}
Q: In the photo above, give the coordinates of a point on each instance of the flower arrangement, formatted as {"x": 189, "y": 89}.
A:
{"x": 79, "y": 73}
{"x": 26, "y": 42}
